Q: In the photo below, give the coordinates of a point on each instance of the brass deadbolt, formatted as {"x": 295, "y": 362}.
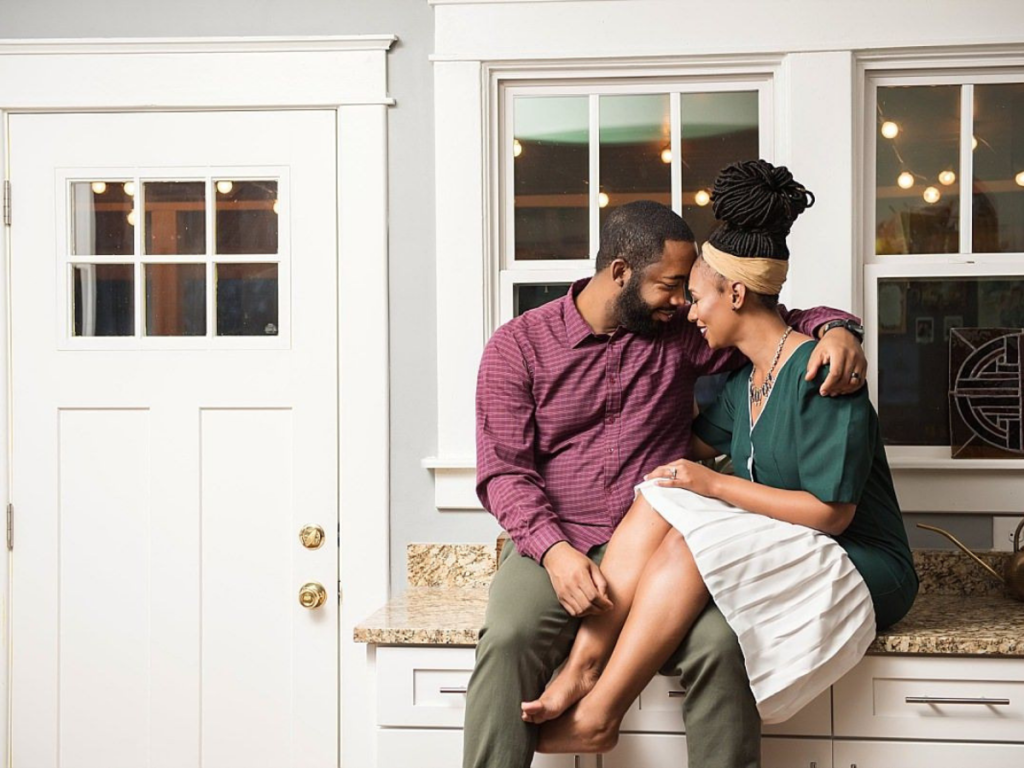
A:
{"x": 312, "y": 537}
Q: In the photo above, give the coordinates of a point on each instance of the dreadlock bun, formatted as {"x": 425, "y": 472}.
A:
{"x": 757, "y": 204}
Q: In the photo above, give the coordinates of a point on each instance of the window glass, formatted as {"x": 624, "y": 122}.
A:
{"x": 103, "y": 218}
{"x": 246, "y": 216}
{"x": 998, "y": 210}
{"x": 175, "y": 299}
{"x": 527, "y": 296}
{"x": 103, "y": 300}
{"x": 551, "y": 159}
{"x": 636, "y": 150}
{"x": 175, "y": 217}
{"x": 247, "y": 300}
{"x": 917, "y": 170}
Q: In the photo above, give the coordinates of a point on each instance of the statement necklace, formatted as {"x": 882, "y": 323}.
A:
{"x": 757, "y": 394}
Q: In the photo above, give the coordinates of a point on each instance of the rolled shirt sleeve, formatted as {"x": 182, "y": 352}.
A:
{"x": 508, "y": 483}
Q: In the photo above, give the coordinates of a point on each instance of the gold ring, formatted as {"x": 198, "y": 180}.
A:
{"x": 854, "y": 376}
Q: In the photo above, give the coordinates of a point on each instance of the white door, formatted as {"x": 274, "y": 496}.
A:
{"x": 174, "y": 365}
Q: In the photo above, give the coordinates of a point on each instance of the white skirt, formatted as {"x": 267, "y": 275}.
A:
{"x": 801, "y": 610}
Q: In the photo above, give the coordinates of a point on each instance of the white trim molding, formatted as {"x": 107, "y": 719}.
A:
{"x": 344, "y": 73}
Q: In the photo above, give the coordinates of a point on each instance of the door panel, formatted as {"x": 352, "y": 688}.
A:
{"x": 174, "y": 364}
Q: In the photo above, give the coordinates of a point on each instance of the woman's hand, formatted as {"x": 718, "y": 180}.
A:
{"x": 685, "y": 474}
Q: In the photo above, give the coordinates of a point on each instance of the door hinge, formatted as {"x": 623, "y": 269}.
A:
{"x": 10, "y": 526}
{"x": 7, "y": 203}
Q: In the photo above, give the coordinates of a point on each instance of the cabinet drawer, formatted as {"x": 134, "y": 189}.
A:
{"x": 659, "y": 708}
{"x": 922, "y": 754}
{"x": 932, "y": 698}
{"x": 662, "y": 750}
{"x": 422, "y": 686}
{"x": 422, "y": 748}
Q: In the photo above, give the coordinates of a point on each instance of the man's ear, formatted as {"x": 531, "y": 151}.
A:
{"x": 620, "y": 272}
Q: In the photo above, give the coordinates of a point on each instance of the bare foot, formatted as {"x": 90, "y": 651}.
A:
{"x": 570, "y": 686}
{"x": 579, "y": 731}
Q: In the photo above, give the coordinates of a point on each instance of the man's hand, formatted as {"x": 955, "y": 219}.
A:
{"x": 577, "y": 580}
{"x": 848, "y": 366}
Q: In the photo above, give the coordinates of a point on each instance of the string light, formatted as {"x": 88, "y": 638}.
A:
{"x": 129, "y": 188}
{"x": 702, "y": 198}
{"x": 890, "y": 130}
{"x": 974, "y": 142}
{"x": 131, "y": 217}
{"x": 99, "y": 187}
{"x": 946, "y": 178}
{"x": 931, "y": 195}
{"x": 1019, "y": 178}
{"x": 517, "y": 148}
{"x": 276, "y": 206}
{"x": 905, "y": 180}
{"x": 225, "y": 187}
{"x": 666, "y": 156}
{"x": 603, "y": 199}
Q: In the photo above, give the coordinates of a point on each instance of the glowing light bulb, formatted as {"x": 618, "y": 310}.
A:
{"x": 131, "y": 217}
{"x": 129, "y": 188}
{"x": 890, "y": 130}
{"x": 225, "y": 187}
{"x": 603, "y": 199}
{"x": 666, "y": 156}
{"x": 905, "y": 180}
{"x": 99, "y": 187}
{"x": 517, "y": 148}
{"x": 702, "y": 198}
{"x": 277, "y": 206}
{"x": 974, "y": 142}
{"x": 946, "y": 178}
{"x": 1019, "y": 178}
{"x": 931, "y": 195}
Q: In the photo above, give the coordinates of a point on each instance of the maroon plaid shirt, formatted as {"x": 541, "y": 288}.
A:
{"x": 569, "y": 421}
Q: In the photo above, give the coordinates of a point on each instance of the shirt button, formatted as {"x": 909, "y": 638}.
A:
{"x": 610, "y": 420}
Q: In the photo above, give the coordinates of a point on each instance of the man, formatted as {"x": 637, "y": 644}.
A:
{"x": 576, "y": 400}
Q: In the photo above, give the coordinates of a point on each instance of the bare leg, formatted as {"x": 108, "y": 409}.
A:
{"x": 635, "y": 541}
{"x": 669, "y": 598}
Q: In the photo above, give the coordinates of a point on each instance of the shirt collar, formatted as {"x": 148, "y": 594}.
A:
{"x": 576, "y": 329}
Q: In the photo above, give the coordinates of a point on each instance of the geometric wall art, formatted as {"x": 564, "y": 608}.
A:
{"x": 986, "y": 393}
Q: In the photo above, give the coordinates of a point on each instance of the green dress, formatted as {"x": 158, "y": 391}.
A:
{"x": 832, "y": 448}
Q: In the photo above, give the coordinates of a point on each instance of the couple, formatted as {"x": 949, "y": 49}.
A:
{"x": 578, "y": 399}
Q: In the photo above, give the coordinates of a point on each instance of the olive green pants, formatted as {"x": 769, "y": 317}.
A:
{"x": 527, "y": 634}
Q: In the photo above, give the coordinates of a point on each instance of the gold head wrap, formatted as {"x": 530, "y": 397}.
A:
{"x": 761, "y": 275}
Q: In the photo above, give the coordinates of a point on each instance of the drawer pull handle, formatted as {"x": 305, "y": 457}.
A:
{"x": 945, "y": 700}
{"x": 452, "y": 690}
{"x": 676, "y": 694}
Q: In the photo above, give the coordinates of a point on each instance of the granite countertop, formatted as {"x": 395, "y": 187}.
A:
{"x": 959, "y": 611}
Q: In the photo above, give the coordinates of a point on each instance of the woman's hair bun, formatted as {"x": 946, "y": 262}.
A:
{"x": 759, "y": 197}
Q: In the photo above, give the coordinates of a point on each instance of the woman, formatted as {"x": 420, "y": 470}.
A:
{"x": 804, "y": 550}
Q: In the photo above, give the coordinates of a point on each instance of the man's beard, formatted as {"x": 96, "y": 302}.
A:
{"x": 635, "y": 314}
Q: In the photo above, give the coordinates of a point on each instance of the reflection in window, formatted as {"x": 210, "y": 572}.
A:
{"x": 915, "y": 317}
{"x": 998, "y": 213}
{"x": 175, "y": 299}
{"x": 636, "y": 150}
{"x": 103, "y": 300}
{"x": 103, "y": 221}
{"x": 175, "y": 217}
{"x": 246, "y": 216}
{"x": 530, "y": 296}
{"x": 247, "y": 300}
{"x": 716, "y": 129}
{"x": 551, "y": 159}
{"x": 917, "y": 170}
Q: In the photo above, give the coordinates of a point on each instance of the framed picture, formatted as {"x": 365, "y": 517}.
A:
{"x": 924, "y": 330}
{"x": 892, "y": 307}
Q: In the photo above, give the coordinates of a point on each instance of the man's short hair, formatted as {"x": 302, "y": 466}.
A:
{"x": 637, "y": 233}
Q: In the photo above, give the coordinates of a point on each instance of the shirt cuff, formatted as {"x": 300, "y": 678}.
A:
{"x": 542, "y": 540}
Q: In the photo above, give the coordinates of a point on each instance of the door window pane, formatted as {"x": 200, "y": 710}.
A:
{"x": 998, "y": 212}
{"x": 716, "y": 129}
{"x": 247, "y": 300}
{"x": 917, "y": 182}
{"x": 246, "y": 216}
{"x": 636, "y": 131}
{"x": 175, "y": 299}
{"x": 915, "y": 317}
{"x": 103, "y": 301}
{"x": 103, "y": 221}
{"x": 530, "y": 296}
{"x": 175, "y": 217}
{"x": 551, "y": 158}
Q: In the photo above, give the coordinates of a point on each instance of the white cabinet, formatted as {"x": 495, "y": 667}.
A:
{"x": 924, "y": 754}
{"x": 442, "y": 748}
{"x": 662, "y": 750}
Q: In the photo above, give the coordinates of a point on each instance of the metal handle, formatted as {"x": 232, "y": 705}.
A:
{"x": 312, "y": 536}
{"x": 445, "y": 689}
{"x": 950, "y": 700}
{"x": 312, "y": 595}
{"x": 676, "y": 694}
{"x": 575, "y": 761}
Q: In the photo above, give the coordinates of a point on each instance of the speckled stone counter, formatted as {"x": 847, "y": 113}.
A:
{"x": 960, "y": 611}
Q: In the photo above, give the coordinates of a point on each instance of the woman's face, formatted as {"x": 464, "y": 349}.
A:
{"x": 710, "y": 308}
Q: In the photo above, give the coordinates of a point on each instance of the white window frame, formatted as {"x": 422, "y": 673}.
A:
{"x": 927, "y": 478}
{"x": 512, "y": 272}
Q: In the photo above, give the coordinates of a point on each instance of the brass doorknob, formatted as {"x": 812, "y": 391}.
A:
{"x": 312, "y": 595}
{"x": 312, "y": 536}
